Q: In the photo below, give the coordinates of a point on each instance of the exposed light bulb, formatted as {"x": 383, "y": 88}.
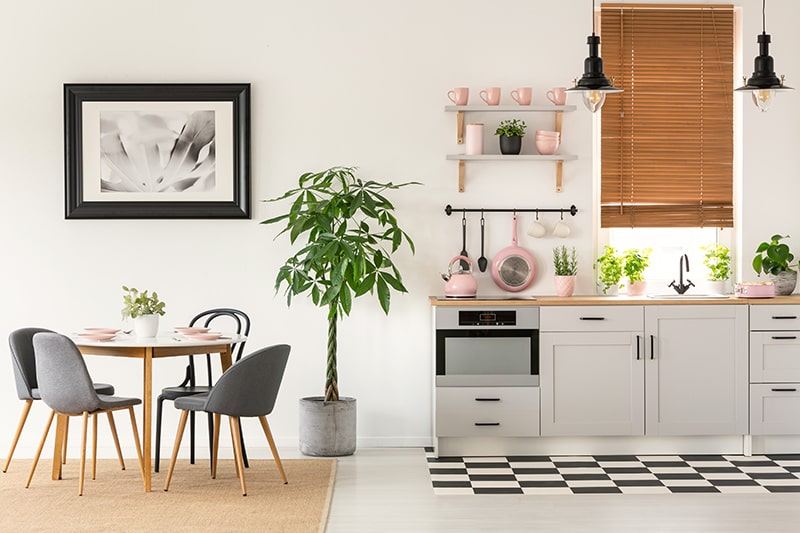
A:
{"x": 763, "y": 98}
{"x": 594, "y": 100}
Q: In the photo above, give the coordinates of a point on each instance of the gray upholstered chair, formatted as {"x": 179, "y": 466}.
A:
{"x": 66, "y": 387}
{"x": 247, "y": 389}
{"x": 20, "y": 343}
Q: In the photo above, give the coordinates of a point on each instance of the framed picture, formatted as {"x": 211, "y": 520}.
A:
{"x": 157, "y": 150}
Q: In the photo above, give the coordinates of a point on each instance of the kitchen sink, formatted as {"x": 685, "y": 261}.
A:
{"x": 693, "y": 296}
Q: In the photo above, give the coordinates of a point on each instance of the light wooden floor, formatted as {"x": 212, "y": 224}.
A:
{"x": 389, "y": 490}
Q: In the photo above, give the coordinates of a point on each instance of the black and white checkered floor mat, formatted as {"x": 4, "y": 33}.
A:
{"x": 624, "y": 474}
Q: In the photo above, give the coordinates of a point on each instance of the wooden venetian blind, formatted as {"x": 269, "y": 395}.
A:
{"x": 667, "y": 140}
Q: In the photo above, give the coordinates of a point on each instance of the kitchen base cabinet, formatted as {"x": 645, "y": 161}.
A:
{"x": 774, "y": 409}
{"x": 487, "y": 411}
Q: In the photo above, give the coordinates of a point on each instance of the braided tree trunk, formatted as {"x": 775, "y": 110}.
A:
{"x": 331, "y": 376}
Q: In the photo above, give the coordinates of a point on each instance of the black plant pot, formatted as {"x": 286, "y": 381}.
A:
{"x": 510, "y": 145}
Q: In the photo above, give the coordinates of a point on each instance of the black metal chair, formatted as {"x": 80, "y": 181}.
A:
{"x": 236, "y": 321}
{"x": 20, "y": 343}
{"x": 247, "y": 389}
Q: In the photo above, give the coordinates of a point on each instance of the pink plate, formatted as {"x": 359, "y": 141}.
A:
{"x": 113, "y": 331}
{"x": 202, "y": 336}
{"x": 96, "y": 336}
{"x": 189, "y": 330}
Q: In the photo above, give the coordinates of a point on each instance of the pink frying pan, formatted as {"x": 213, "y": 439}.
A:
{"x": 513, "y": 268}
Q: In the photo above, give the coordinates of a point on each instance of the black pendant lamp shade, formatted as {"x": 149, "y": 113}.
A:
{"x": 763, "y": 83}
{"x": 594, "y": 85}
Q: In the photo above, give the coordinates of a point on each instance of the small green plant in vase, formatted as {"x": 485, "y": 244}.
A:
{"x": 635, "y": 263}
{"x": 774, "y": 258}
{"x": 566, "y": 267}
{"x": 609, "y": 270}
{"x": 143, "y": 308}
{"x": 717, "y": 259}
{"x": 511, "y": 132}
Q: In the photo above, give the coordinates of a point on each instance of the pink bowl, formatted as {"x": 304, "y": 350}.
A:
{"x": 547, "y": 133}
{"x": 547, "y": 146}
{"x": 189, "y": 330}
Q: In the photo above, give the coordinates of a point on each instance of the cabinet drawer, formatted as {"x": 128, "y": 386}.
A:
{"x": 775, "y": 409}
{"x": 592, "y": 318}
{"x": 774, "y": 356}
{"x": 774, "y": 317}
{"x": 487, "y": 411}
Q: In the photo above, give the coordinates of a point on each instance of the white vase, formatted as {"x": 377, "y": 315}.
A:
{"x": 565, "y": 285}
{"x": 608, "y": 290}
{"x": 145, "y": 326}
{"x": 717, "y": 287}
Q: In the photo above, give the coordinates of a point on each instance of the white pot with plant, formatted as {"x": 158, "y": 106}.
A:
{"x": 566, "y": 267}
{"x": 774, "y": 258}
{"x": 348, "y": 232}
{"x": 717, "y": 259}
{"x": 144, "y": 309}
{"x": 609, "y": 270}
{"x": 635, "y": 263}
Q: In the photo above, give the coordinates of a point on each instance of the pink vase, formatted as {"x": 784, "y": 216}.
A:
{"x": 637, "y": 288}
{"x": 565, "y": 285}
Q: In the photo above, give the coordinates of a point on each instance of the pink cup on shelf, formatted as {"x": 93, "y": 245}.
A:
{"x": 459, "y": 95}
{"x": 490, "y": 95}
{"x": 557, "y": 95}
{"x": 523, "y": 95}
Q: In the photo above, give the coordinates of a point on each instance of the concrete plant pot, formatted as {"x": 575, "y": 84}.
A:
{"x": 785, "y": 282}
{"x": 327, "y": 429}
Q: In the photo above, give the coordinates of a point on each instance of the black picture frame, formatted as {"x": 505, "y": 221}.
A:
{"x": 85, "y": 196}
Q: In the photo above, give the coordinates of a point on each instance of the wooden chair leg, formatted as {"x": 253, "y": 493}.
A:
{"x": 237, "y": 451}
{"x": 22, "y": 418}
{"x": 233, "y": 437}
{"x": 83, "y": 453}
{"x": 215, "y": 446}
{"x": 137, "y": 442}
{"x": 64, "y": 442}
{"x": 271, "y": 441}
{"x": 114, "y": 435}
{"x": 178, "y": 436}
{"x": 94, "y": 446}
{"x": 39, "y": 450}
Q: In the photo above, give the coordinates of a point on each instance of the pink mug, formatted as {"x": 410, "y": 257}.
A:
{"x": 490, "y": 95}
{"x": 459, "y": 95}
{"x": 557, "y": 95}
{"x": 522, "y": 96}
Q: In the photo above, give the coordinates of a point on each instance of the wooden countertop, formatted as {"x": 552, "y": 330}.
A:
{"x": 520, "y": 301}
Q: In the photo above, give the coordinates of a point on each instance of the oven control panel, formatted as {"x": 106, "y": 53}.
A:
{"x": 487, "y": 318}
{"x": 447, "y": 317}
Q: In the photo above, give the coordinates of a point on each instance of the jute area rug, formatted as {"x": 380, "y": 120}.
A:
{"x": 116, "y": 501}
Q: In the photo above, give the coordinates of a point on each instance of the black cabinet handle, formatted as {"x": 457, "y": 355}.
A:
{"x": 593, "y": 318}
{"x": 784, "y": 318}
{"x": 487, "y": 399}
{"x": 487, "y": 423}
{"x": 652, "y": 346}
{"x": 637, "y": 348}
{"x": 787, "y": 338}
{"x": 784, "y": 390}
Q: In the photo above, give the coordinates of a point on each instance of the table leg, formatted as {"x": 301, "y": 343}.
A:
{"x": 58, "y": 447}
{"x": 225, "y": 357}
{"x": 147, "y": 417}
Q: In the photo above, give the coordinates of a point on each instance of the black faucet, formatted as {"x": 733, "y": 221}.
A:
{"x": 681, "y": 288}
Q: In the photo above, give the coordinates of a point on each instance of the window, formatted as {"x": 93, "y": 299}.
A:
{"x": 667, "y": 140}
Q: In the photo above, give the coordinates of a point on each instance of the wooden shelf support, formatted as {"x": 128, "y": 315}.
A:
{"x": 461, "y": 171}
{"x": 559, "y": 171}
{"x": 460, "y": 127}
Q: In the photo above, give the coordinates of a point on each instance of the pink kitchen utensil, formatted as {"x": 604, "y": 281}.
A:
{"x": 513, "y": 268}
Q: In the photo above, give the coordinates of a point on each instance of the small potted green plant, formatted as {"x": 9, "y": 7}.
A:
{"x": 635, "y": 263}
{"x": 566, "y": 266}
{"x": 144, "y": 308}
{"x": 609, "y": 270}
{"x": 774, "y": 258}
{"x": 511, "y": 132}
{"x": 717, "y": 259}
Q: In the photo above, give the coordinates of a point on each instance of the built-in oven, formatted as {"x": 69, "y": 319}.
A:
{"x": 487, "y": 346}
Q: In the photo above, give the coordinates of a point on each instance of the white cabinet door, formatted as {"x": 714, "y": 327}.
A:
{"x": 592, "y": 383}
{"x": 774, "y": 356}
{"x": 696, "y": 369}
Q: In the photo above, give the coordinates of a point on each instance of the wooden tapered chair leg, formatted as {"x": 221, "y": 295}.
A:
{"x": 64, "y": 442}
{"x": 215, "y": 446}
{"x": 82, "y": 474}
{"x": 233, "y": 437}
{"x": 178, "y": 436}
{"x": 114, "y": 435}
{"x": 136, "y": 441}
{"x": 237, "y": 451}
{"x": 271, "y": 441}
{"x": 39, "y": 450}
{"x": 22, "y": 418}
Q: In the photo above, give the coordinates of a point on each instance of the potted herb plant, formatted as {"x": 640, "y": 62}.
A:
{"x": 717, "y": 259}
{"x": 566, "y": 266}
{"x": 144, "y": 309}
{"x": 511, "y": 132}
{"x": 609, "y": 270}
{"x": 635, "y": 263}
{"x": 348, "y": 232}
{"x": 774, "y": 258}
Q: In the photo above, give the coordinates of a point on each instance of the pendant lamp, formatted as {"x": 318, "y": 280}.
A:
{"x": 593, "y": 85}
{"x": 763, "y": 83}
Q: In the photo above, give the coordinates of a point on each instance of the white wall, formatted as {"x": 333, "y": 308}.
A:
{"x": 348, "y": 82}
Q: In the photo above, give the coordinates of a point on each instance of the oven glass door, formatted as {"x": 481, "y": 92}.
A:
{"x": 487, "y": 356}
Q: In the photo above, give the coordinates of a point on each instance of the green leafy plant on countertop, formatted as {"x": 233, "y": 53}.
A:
{"x": 636, "y": 262}
{"x": 717, "y": 258}
{"x": 511, "y": 128}
{"x": 140, "y": 303}
{"x": 609, "y": 268}
{"x": 565, "y": 263}
{"x": 773, "y": 257}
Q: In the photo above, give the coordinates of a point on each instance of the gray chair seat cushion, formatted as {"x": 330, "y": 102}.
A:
{"x": 173, "y": 393}
{"x": 114, "y": 402}
{"x": 192, "y": 403}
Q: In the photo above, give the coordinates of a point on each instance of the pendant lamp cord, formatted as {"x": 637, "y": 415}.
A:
{"x": 593, "y": 17}
{"x": 763, "y": 16}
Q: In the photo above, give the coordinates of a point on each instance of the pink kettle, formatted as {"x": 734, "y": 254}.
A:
{"x": 460, "y": 284}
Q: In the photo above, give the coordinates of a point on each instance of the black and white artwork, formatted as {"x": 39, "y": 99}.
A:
{"x": 157, "y": 150}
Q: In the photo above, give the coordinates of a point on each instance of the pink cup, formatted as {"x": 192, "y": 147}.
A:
{"x": 491, "y": 95}
{"x": 459, "y": 95}
{"x": 522, "y": 96}
{"x": 557, "y": 95}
